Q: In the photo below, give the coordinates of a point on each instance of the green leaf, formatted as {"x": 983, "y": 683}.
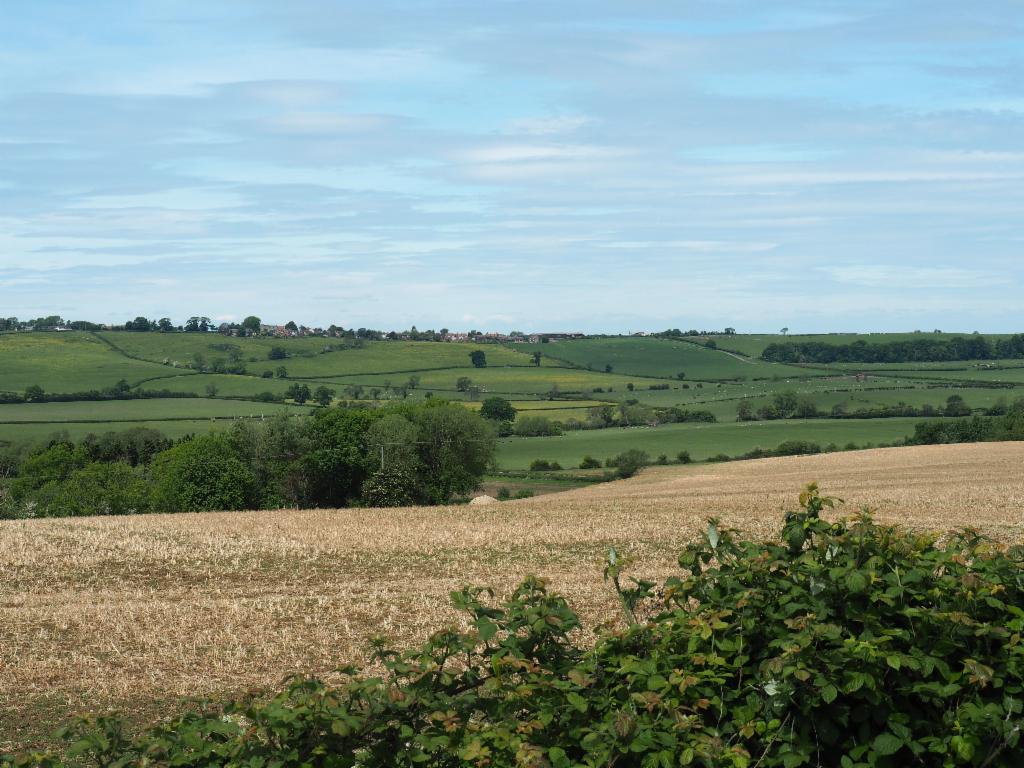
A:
{"x": 829, "y": 693}
{"x": 486, "y": 628}
{"x": 887, "y": 744}
{"x": 558, "y": 758}
{"x": 856, "y": 581}
{"x": 713, "y": 538}
{"x": 577, "y": 701}
{"x": 656, "y": 683}
{"x": 339, "y": 728}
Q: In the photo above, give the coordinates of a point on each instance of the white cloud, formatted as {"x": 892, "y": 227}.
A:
{"x": 908, "y": 175}
{"x": 699, "y": 246}
{"x": 517, "y": 153}
{"x": 548, "y": 126}
{"x": 900, "y": 277}
{"x": 325, "y": 123}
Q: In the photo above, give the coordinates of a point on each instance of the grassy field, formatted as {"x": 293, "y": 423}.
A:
{"x": 508, "y": 381}
{"x": 175, "y": 417}
{"x": 136, "y": 612}
{"x": 715, "y": 381}
{"x": 228, "y": 385}
{"x": 65, "y": 362}
{"x": 661, "y": 358}
{"x": 14, "y": 434}
{"x": 754, "y": 344}
{"x": 139, "y": 410}
{"x": 701, "y": 440}
{"x": 310, "y": 356}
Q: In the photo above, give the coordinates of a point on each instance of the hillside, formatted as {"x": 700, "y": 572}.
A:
{"x": 572, "y": 378}
{"x": 135, "y": 612}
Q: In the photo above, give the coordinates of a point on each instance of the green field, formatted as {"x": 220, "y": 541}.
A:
{"x": 66, "y": 362}
{"x": 508, "y": 381}
{"x": 173, "y": 416}
{"x": 16, "y": 434}
{"x": 753, "y": 345}
{"x": 312, "y": 357}
{"x": 715, "y": 380}
{"x": 661, "y": 358}
{"x": 141, "y": 410}
{"x": 227, "y": 385}
{"x": 701, "y": 440}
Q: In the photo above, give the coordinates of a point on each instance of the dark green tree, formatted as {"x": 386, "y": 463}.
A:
{"x": 298, "y": 392}
{"x": 323, "y": 395}
{"x": 456, "y": 448}
{"x": 628, "y": 463}
{"x": 102, "y": 488}
{"x": 251, "y": 325}
{"x": 498, "y": 409}
{"x": 201, "y": 474}
{"x": 339, "y": 459}
{"x": 390, "y": 488}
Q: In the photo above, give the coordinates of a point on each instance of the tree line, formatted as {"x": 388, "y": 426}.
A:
{"x": 399, "y": 455}
{"x": 1004, "y": 423}
{"x": 956, "y": 349}
{"x": 790, "y": 405}
{"x": 122, "y": 390}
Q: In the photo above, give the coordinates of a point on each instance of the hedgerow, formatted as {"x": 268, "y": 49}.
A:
{"x": 848, "y": 644}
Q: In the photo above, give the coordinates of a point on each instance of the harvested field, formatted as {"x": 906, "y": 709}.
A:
{"x": 134, "y": 613}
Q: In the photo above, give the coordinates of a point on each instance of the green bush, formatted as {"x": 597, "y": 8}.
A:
{"x": 628, "y": 463}
{"x": 201, "y": 474}
{"x": 389, "y": 488}
{"x": 498, "y": 409}
{"x": 543, "y": 465}
{"x": 589, "y": 462}
{"x": 101, "y": 488}
{"x": 537, "y": 426}
{"x": 842, "y": 645}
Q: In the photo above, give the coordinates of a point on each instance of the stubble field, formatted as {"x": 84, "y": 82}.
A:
{"x": 135, "y": 613}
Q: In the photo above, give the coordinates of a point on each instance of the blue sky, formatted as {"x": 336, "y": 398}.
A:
{"x": 516, "y": 164}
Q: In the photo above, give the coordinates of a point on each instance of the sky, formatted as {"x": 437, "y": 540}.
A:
{"x": 592, "y": 165}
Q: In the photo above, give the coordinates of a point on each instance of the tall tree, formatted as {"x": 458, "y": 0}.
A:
{"x": 497, "y": 409}
{"x": 323, "y": 395}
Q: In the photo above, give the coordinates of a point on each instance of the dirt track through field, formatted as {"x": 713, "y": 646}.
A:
{"x": 135, "y": 612}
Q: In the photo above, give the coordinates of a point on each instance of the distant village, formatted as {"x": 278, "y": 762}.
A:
{"x": 444, "y": 335}
{"x": 253, "y": 327}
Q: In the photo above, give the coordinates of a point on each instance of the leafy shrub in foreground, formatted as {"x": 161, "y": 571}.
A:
{"x": 846, "y": 644}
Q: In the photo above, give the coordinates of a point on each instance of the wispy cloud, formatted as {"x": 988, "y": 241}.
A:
{"x": 890, "y": 277}
{"x": 396, "y": 163}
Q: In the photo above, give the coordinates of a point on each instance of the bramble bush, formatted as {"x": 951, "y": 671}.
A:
{"x": 848, "y": 644}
